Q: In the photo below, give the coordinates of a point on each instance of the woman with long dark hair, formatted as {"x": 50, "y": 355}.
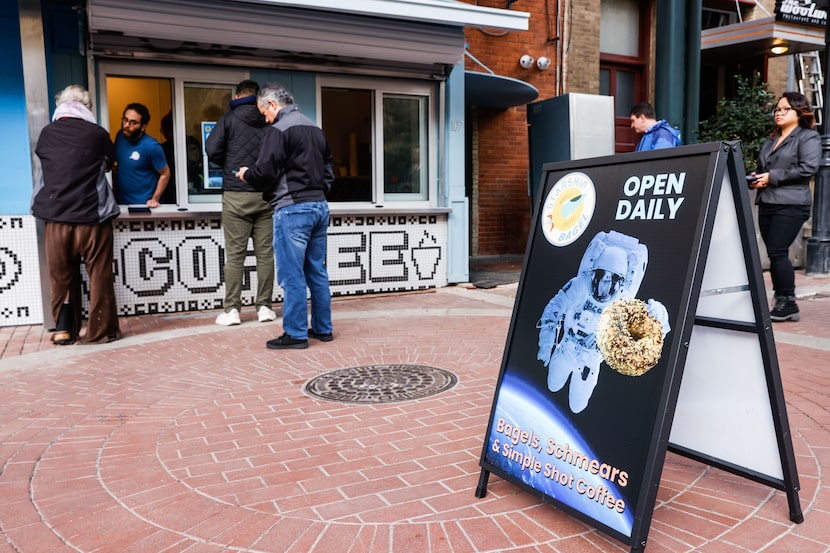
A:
{"x": 786, "y": 163}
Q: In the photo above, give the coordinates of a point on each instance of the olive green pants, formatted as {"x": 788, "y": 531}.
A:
{"x": 245, "y": 215}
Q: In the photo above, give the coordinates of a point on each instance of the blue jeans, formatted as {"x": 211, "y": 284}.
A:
{"x": 300, "y": 232}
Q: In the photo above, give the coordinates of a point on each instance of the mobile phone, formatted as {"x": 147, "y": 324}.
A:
{"x": 751, "y": 178}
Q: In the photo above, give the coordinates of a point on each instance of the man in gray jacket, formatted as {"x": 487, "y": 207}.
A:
{"x": 234, "y": 142}
{"x": 295, "y": 171}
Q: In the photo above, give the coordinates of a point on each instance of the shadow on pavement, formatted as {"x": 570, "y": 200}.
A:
{"x": 489, "y": 271}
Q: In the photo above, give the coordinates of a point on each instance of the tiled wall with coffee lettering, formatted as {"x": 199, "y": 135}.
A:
{"x": 176, "y": 265}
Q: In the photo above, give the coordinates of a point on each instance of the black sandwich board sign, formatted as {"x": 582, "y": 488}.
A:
{"x": 640, "y": 325}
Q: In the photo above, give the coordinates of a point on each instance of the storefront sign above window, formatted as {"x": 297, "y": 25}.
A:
{"x": 801, "y": 12}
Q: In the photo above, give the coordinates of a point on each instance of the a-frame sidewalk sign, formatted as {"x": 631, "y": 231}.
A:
{"x": 640, "y": 325}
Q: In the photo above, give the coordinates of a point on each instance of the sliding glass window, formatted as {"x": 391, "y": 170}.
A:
{"x": 184, "y": 104}
{"x": 382, "y": 137}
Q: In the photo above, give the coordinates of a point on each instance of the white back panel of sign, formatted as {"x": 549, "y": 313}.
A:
{"x": 724, "y": 293}
{"x": 723, "y": 409}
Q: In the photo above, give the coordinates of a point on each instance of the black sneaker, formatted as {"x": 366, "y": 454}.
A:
{"x": 322, "y": 337}
{"x": 785, "y": 309}
{"x": 286, "y": 342}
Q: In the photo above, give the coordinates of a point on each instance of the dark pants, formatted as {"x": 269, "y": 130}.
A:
{"x": 780, "y": 225}
{"x": 66, "y": 247}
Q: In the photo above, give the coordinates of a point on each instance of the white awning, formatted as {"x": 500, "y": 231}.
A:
{"x": 443, "y": 12}
{"x": 420, "y": 38}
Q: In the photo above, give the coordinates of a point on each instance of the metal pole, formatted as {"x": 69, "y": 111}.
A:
{"x": 670, "y": 87}
{"x": 691, "y": 119}
{"x": 818, "y": 245}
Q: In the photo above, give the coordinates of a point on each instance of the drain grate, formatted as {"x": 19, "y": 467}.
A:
{"x": 380, "y": 383}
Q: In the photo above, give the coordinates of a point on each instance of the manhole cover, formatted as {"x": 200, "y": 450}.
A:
{"x": 380, "y": 383}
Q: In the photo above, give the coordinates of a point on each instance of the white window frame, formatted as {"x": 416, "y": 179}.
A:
{"x": 178, "y": 75}
{"x": 379, "y": 86}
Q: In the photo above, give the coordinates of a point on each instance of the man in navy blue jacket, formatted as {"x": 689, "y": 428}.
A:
{"x": 233, "y": 143}
{"x": 656, "y": 134}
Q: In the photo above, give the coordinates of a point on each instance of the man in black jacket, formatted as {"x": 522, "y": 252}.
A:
{"x": 234, "y": 142}
{"x": 294, "y": 170}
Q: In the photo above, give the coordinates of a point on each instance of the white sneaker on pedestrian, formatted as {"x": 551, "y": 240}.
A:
{"x": 228, "y": 318}
{"x": 266, "y": 315}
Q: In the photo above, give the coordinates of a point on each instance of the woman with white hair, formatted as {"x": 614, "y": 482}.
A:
{"x": 78, "y": 206}
{"x": 74, "y": 93}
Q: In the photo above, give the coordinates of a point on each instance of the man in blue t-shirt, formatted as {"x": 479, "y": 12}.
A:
{"x": 656, "y": 134}
{"x": 142, "y": 171}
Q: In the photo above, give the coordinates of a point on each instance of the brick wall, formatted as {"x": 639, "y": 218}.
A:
{"x": 499, "y": 166}
{"x": 582, "y": 65}
{"x": 777, "y": 73}
{"x": 503, "y": 202}
{"x": 501, "y": 214}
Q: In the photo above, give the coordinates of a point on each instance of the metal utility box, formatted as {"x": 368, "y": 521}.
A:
{"x": 571, "y": 126}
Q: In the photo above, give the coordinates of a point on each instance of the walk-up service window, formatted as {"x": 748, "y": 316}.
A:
{"x": 184, "y": 103}
{"x": 381, "y": 134}
{"x": 204, "y": 104}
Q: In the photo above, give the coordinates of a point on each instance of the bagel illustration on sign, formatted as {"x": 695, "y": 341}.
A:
{"x": 629, "y": 338}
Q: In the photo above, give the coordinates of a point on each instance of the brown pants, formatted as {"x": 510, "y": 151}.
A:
{"x": 66, "y": 247}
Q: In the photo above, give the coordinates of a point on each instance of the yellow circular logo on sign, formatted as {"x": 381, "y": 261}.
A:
{"x": 568, "y": 208}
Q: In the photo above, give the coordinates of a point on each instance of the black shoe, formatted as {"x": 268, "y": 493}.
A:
{"x": 785, "y": 309}
{"x": 322, "y": 337}
{"x": 286, "y": 342}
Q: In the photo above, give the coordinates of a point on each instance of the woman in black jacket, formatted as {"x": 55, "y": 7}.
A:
{"x": 786, "y": 162}
{"x": 77, "y": 204}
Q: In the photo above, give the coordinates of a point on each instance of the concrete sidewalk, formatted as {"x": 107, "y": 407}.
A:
{"x": 187, "y": 436}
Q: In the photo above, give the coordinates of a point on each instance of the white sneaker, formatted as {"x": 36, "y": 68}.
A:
{"x": 265, "y": 315}
{"x": 229, "y": 318}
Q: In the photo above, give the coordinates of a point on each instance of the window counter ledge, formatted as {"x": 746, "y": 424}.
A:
{"x": 171, "y": 212}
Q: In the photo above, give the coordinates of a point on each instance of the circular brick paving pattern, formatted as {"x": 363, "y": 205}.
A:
{"x": 209, "y": 443}
{"x": 381, "y": 383}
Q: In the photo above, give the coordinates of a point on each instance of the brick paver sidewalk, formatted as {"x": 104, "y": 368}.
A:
{"x": 186, "y": 436}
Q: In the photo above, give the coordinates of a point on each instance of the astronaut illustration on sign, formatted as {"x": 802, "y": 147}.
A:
{"x": 612, "y": 267}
